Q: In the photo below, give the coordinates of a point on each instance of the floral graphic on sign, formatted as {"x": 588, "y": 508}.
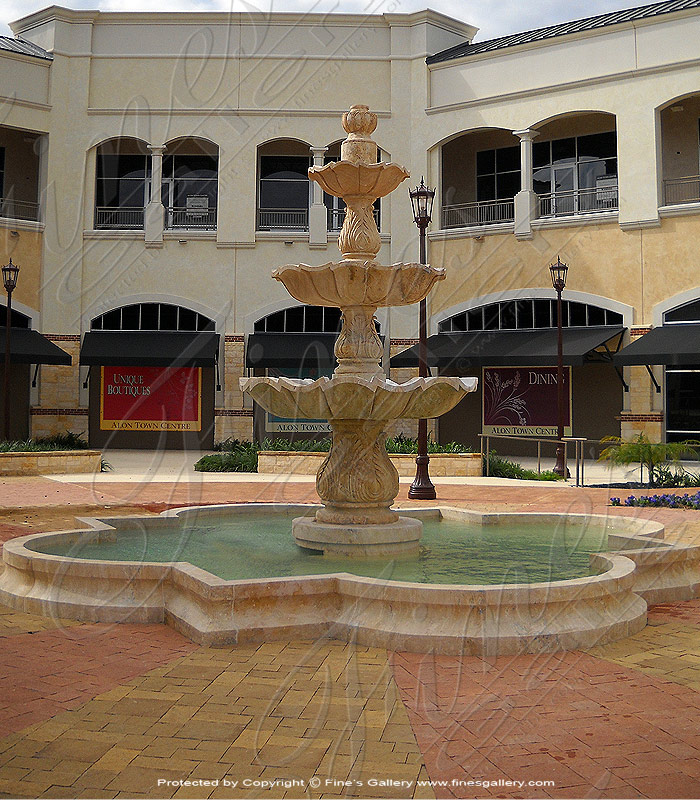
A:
{"x": 503, "y": 401}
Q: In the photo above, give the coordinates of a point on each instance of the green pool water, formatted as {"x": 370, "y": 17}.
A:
{"x": 261, "y": 546}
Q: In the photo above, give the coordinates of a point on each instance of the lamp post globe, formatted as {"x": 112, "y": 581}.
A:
{"x": 9, "y": 281}
{"x": 9, "y": 276}
{"x": 559, "y": 271}
{"x": 422, "y": 198}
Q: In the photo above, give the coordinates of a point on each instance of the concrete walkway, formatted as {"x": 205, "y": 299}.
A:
{"x": 171, "y": 466}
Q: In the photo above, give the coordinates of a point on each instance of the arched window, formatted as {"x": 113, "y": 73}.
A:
{"x": 480, "y": 178}
{"x": 190, "y": 184}
{"x": 688, "y": 312}
{"x": 575, "y": 165}
{"x": 152, "y": 317}
{"x": 680, "y": 150}
{"x": 283, "y": 185}
{"x": 529, "y": 313}
{"x": 301, "y": 319}
{"x": 123, "y": 184}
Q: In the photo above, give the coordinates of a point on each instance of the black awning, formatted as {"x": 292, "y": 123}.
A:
{"x": 668, "y": 344}
{"x": 30, "y": 347}
{"x": 531, "y": 348}
{"x": 296, "y": 350}
{"x": 149, "y": 349}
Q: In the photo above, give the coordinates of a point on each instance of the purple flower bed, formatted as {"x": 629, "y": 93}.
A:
{"x": 660, "y": 501}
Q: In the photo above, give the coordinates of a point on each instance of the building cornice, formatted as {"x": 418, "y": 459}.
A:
{"x": 240, "y": 18}
{"x": 564, "y": 87}
{"x": 226, "y": 112}
{"x": 18, "y": 101}
{"x": 50, "y": 14}
{"x": 434, "y": 18}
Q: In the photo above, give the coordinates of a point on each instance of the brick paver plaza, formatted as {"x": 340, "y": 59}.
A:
{"x": 97, "y": 710}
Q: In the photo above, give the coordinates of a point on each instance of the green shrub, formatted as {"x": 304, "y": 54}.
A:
{"x": 652, "y": 455}
{"x": 666, "y": 476}
{"x": 234, "y": 455}
{"x": 297, "y": 445}
{"x": 406, "y": 444}
{"x": 503, "y": 468}
{"x": 231, "y": 461}
{"x": 61, "y": 441}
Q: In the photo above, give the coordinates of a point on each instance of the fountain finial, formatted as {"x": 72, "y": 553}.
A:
{"x": 359, "y": 124}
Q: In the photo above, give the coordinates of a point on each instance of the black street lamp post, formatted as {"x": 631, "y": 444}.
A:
{"x": 9, "y": 281}
{"x": 558, "y": 272}
{"x": 422, "y": 202}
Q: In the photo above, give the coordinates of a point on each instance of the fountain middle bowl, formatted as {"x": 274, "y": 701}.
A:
{"x": 355, "y": 397}
{"x": 357, "y": 282}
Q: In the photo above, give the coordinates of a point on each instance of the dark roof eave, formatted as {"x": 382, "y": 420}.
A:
{"x": 21, "y": 47}
{"x": 467, "y": 49}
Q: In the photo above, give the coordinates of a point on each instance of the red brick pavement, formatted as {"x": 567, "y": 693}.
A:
{"x": 47, "y": 672}
{"x": 676, "y": 612}
{"x": 597, "y": 729}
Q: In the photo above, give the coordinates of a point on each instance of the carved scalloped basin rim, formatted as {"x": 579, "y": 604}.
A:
{"x": 495, "y": 619}
{"x": 355, "y": 397}
{"x": 355, "y": 282}
{"x": 346, "y": 178}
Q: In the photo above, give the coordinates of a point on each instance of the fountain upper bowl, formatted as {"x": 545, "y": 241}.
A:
{"x": 345, "y": 179}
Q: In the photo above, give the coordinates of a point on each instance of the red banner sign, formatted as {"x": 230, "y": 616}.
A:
{"x": 523, "y": 401}
{"x": 151, "y": 399}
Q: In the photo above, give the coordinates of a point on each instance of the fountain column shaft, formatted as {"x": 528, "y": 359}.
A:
{"x": 357, "y": 482}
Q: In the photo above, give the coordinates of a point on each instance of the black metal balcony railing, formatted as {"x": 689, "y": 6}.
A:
{"x": 481, "y": 212}
{"x": 336, "y": 217}
{"x": 579, "y": 201}
{"x": 283, "y": 218}
{"x": 19, "y": 209}
{"x": 118, "y": 218}
{"x": 682, "y": 190}
{"x": 190, "y": 218}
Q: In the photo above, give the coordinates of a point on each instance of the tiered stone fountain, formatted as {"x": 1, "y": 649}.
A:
{"x": 357, "y": 483}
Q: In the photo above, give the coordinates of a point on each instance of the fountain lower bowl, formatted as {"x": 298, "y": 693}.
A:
{"x": 355, "y": 397}
{"x": 444, "y": 618}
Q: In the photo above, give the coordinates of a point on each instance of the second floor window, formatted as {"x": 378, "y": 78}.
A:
{"x": 498, "y": 173}
{"x": 190, "y": 187}
{"x": 284, "y": 191}
{"x": 123, "y": 177}
{"x": 575, "y": 163}
{"x": 122, "y": 180}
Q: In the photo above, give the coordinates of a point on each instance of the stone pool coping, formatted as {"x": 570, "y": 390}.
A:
{"x": 398, "y": 615}
{"x": 295, "y": 462}
{"x": 50, "y": 462}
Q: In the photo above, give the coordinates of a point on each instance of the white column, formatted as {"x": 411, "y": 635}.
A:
{"x": 638, "y": 166}
{"x": 155, "y": 211}
{"x": 318, "y": 220}
{"x": 43, "y": 153}
{"x": 526, "y": 204}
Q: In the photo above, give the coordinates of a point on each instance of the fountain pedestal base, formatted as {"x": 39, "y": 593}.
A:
{"x": 401, "y": 537}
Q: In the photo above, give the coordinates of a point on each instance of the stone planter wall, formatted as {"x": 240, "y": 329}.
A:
{"x": 278, "y": 462}
{"x": 50, "y": 462}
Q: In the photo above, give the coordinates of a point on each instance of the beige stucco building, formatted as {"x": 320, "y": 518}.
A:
{"x": 580, "y": 140}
